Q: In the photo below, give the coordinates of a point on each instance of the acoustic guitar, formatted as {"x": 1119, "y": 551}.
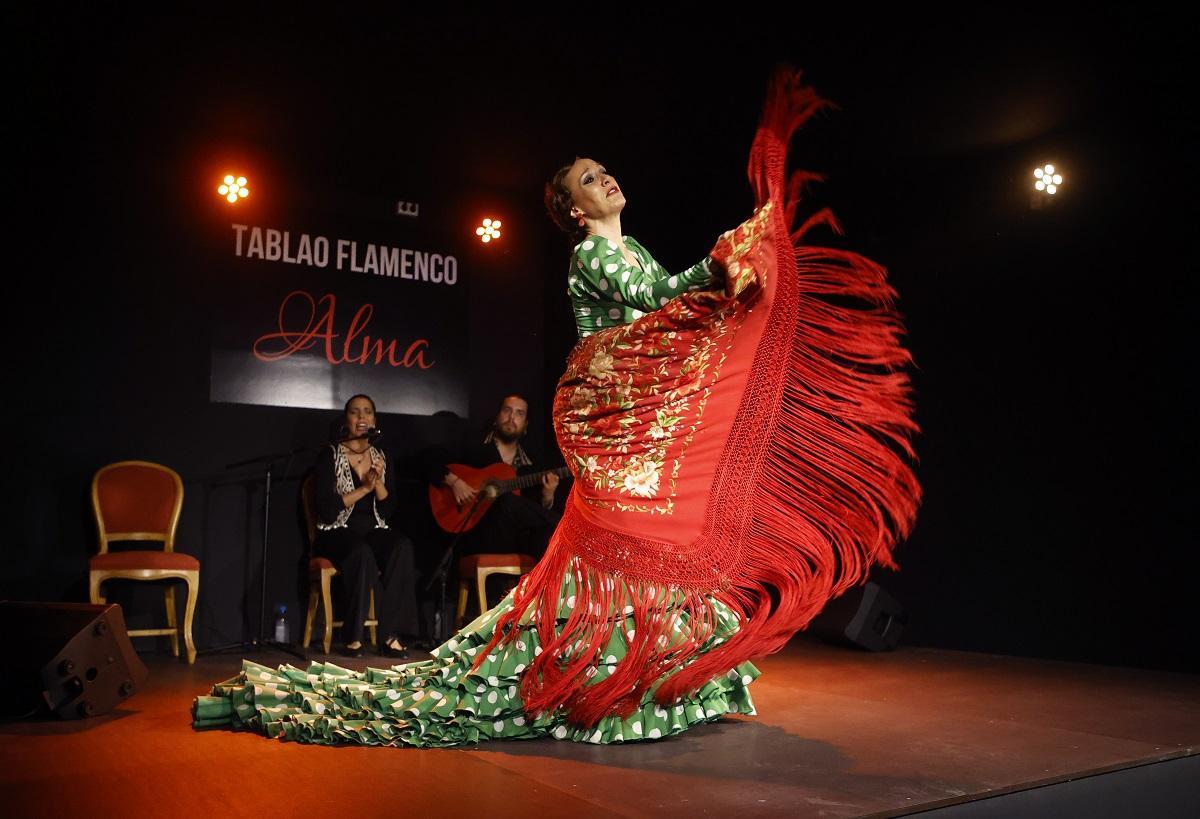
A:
{"x": 490, "y": 483}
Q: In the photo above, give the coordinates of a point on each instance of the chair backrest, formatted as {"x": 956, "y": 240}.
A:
{"x": 137, "y": 500}
{"x": 310, "y": 511}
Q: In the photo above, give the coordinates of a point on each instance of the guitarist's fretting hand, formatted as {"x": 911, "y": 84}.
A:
{"x": 463, "y": 493}
{"x": 549, "y": 485}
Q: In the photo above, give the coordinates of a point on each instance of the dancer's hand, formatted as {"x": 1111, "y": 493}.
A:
{"x": 369, "y": 479}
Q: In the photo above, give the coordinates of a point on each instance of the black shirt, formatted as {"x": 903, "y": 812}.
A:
{"x": 329, "y": 500}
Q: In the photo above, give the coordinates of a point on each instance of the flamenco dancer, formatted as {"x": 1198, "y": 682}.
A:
{"x": 740, "y": 440}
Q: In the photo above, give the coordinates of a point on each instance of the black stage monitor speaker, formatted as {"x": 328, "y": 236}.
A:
{"x": 866, "y": 616}
{"x": 72, "y": 658}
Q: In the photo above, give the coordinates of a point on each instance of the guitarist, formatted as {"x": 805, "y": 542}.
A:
{"x": 515, "y": 522}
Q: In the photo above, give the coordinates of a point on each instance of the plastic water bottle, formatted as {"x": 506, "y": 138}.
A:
{"x": 281, "y": 625}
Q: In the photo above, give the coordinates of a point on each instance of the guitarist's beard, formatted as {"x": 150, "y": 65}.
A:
{"x": 500, "y": 433}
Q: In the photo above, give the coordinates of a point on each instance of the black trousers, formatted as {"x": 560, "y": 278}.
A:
{"x": 512, "y": 524}
{"x": 381, "y": 559}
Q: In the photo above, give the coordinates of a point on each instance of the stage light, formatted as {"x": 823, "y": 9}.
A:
{"x": 233, "y": 189}
{"x": 1047, "y": 180}
{"x": 489, "y": 230}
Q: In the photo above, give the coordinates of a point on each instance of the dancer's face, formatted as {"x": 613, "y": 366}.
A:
{"x": 594, "y": 192}
{"x": 360, "y": 416}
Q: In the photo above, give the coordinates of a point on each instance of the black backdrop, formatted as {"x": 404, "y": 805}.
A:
{"x": 1054, "y": 346}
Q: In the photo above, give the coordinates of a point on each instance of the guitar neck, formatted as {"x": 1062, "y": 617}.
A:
{"x": 532, "y": 479}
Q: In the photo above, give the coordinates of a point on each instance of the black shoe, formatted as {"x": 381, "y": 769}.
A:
{"x": 386, "y": 650}
{"x": 351, "y": 652}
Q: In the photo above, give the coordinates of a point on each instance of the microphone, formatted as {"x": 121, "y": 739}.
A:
{"x": 372, "y": 436}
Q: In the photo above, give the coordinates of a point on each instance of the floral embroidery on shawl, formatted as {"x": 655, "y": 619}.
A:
{"x": 632, "y": 402}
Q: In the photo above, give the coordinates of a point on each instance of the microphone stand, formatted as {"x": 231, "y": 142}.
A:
{"x": 269, "y": 462}
{"x": 441, "y": 632}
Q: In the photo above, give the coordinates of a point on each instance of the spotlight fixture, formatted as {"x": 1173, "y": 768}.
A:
{"x": 233, "y": 188}
{"x": 489, "y": 230}
{"x": 1048, "y": 181}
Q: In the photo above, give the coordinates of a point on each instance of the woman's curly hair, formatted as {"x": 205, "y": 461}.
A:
{"x": 558, "y": 205}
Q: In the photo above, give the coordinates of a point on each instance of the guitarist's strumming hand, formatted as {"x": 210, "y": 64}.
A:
{"x": 463, "y": 493}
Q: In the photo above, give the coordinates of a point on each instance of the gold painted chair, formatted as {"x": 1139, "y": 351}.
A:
{"x": 480, "y": 568}
{"x": 141, "y": 501}
{"x": 321, "y": 572}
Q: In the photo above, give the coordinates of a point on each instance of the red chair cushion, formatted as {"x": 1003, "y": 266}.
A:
{"x": 316, "y": 564}
{"x": 121, "y": 561}
{"x": 472, "y": 563}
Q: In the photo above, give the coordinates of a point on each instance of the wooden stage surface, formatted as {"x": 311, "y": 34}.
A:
{"x": 839, "y": 733}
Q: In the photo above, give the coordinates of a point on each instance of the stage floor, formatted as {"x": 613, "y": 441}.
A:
{"x": 839, "y": 733}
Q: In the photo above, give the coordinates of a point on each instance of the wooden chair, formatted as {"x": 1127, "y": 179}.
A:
{"x": 481, "y": 567}
{"x": 321, "y": 572}
{"x": 141, "y": 501}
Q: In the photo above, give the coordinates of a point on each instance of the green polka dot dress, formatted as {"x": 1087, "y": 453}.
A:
{"x": 441, "y": 702}
{"x": 607, "y": 290}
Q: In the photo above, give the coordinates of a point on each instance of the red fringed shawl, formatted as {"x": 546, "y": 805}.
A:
{"x": 749, "y": 446}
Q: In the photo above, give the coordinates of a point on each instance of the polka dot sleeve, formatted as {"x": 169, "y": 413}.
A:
{"x": 601, "y": 266}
